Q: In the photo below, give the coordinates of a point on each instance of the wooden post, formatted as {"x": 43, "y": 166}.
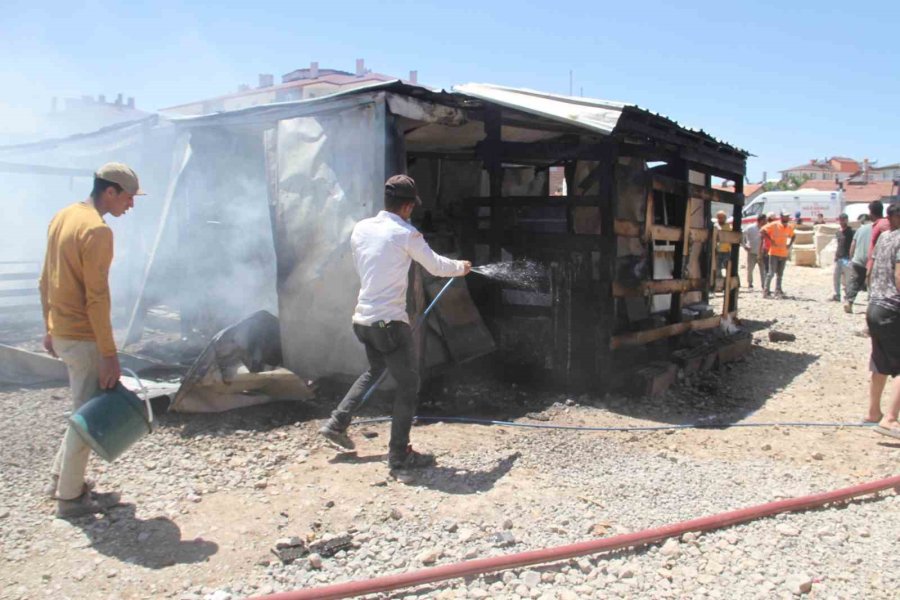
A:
{"x": 494, "y": 165}
{"x": 737, "y": 215}
{"x": 710, "y": 245}
{"x": 606, "y": 315}
{"x": 681, "y": 250}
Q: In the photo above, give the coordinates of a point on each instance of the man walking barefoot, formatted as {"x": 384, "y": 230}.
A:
{"x": 383, "y": 248}
{"x": 75, "y": 298}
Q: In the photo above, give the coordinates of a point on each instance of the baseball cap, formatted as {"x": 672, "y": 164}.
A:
{"x": 122, "y": 175}
{"x": 402, "y": 187}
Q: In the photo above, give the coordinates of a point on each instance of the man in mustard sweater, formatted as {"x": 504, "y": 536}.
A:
{"x": 75, "y": 297}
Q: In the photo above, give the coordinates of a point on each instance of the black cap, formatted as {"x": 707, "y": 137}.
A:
{"x": 402, "y": 187}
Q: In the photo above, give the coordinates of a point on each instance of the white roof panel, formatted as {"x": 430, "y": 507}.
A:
{"x": 598, "y": 115}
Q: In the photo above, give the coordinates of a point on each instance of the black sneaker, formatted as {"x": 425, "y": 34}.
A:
{"x": 338, "y": 438}
{"x": 410, "y": 459}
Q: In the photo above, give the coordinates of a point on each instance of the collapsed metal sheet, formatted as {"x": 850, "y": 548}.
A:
{"x": 240, "y": 367}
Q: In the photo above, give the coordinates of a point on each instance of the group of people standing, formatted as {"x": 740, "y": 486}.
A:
{"x": 768, "y": 244}
{"x": 868, "y": 258}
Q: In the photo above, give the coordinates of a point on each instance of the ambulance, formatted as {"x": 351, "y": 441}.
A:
{"x": 809, "y": 203}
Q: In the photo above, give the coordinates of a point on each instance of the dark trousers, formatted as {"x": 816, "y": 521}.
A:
{"x": 856, "y": 281}
{"x": 776, "y": 271}
{"x": 387, "y": 347}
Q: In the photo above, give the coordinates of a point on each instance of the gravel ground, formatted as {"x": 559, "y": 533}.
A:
{"x": 208, "y": 496}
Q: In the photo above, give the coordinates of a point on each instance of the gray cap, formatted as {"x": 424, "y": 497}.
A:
{"x": 122, "y": 175}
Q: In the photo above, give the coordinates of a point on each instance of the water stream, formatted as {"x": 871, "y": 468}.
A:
{"x": 519, "y": 273}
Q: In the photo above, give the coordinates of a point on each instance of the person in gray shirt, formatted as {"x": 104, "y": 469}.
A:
{"x": 859, "y": 256}
{"x": 751, "y": 241}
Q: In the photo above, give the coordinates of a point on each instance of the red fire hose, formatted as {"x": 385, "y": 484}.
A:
{"x": 551, "y": 555}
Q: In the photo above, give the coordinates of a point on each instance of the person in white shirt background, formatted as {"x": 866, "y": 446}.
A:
{"x": 751, "y": 240}
{"x": 383, "y": 248}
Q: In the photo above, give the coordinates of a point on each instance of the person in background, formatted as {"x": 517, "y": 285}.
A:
{"x": 383, "y": 248}
{"x": 751, "y": 241}
{"x": 723, "y": 249}
{"x": 781, "y": 237}
{"x": 844, "y": 239}
{"x": 883, "y": 319}
{"x": 859, "y": 257}
{"x": 879, "y": 226}
{"x": 764, "y": 245}
{"x": 798, "y": 218}
{"x": 74, "y": 288}
{"x": 820, "y": 219}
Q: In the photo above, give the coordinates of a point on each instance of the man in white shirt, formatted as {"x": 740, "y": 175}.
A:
{"x": 751, "y": 240}
{"x": 383, "y": 248}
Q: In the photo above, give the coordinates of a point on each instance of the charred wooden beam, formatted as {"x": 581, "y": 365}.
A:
{"x": 691, "y": 148}
{"x": 683, "y": 188}
{"x": 640, "y": 338}
{"x": 665, "y": 233}
{"x": 539, "y": 150}
{"x": 493, "y": 164}
{"x": 626, "y": 228}
{"x": 536, "y": 201}
{"x": 662, "y": 286}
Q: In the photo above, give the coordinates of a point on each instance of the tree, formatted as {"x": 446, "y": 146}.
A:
{"x": 787, "y": 184}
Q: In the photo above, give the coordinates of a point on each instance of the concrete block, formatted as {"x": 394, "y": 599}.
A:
{"x": 734, "y": 346}
{"x": 655, "y": 378}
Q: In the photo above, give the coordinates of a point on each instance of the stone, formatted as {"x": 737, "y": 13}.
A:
{"x": 671, "y": 549}
{"x": 787, "y": 530}
{"x": 781, "y": 336}
{"x": 428, "y": 557}
{"x": 504, "y": 538}
{"x": 689, "y": 537}
{"x": 584, "y": 565}
{"x": 218, "y": 595}
{"x": 396, "y": 514}
{"x": 818, "y": 456}
{"x": 315, "y": 561}
{"x": 798, "y": 583}
{"x": 288, "y": 542}
{"x": 531, "y": 578}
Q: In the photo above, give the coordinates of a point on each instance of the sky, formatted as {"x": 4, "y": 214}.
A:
{"x": 787, "y": 81}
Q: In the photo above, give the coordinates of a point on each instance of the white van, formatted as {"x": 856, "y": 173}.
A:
{"x": 809, "y": 203}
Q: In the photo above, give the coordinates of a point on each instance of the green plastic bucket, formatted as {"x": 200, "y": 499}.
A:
{"x": 111, "y": 422}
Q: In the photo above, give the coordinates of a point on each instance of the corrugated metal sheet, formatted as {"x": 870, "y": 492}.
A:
{"x": 600, "y": 116}
{"x": 596, "y": 115}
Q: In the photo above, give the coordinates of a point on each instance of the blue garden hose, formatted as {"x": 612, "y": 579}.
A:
{"x": 710, "y": 425}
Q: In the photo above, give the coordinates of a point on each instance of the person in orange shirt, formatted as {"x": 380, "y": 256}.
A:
{"x": 780, "y": 236}
{"x": 75, "y": 298}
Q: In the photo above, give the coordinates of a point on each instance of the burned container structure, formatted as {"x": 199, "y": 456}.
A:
{"x": 628, "y": 251}
{"x": 257, "y": 206}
